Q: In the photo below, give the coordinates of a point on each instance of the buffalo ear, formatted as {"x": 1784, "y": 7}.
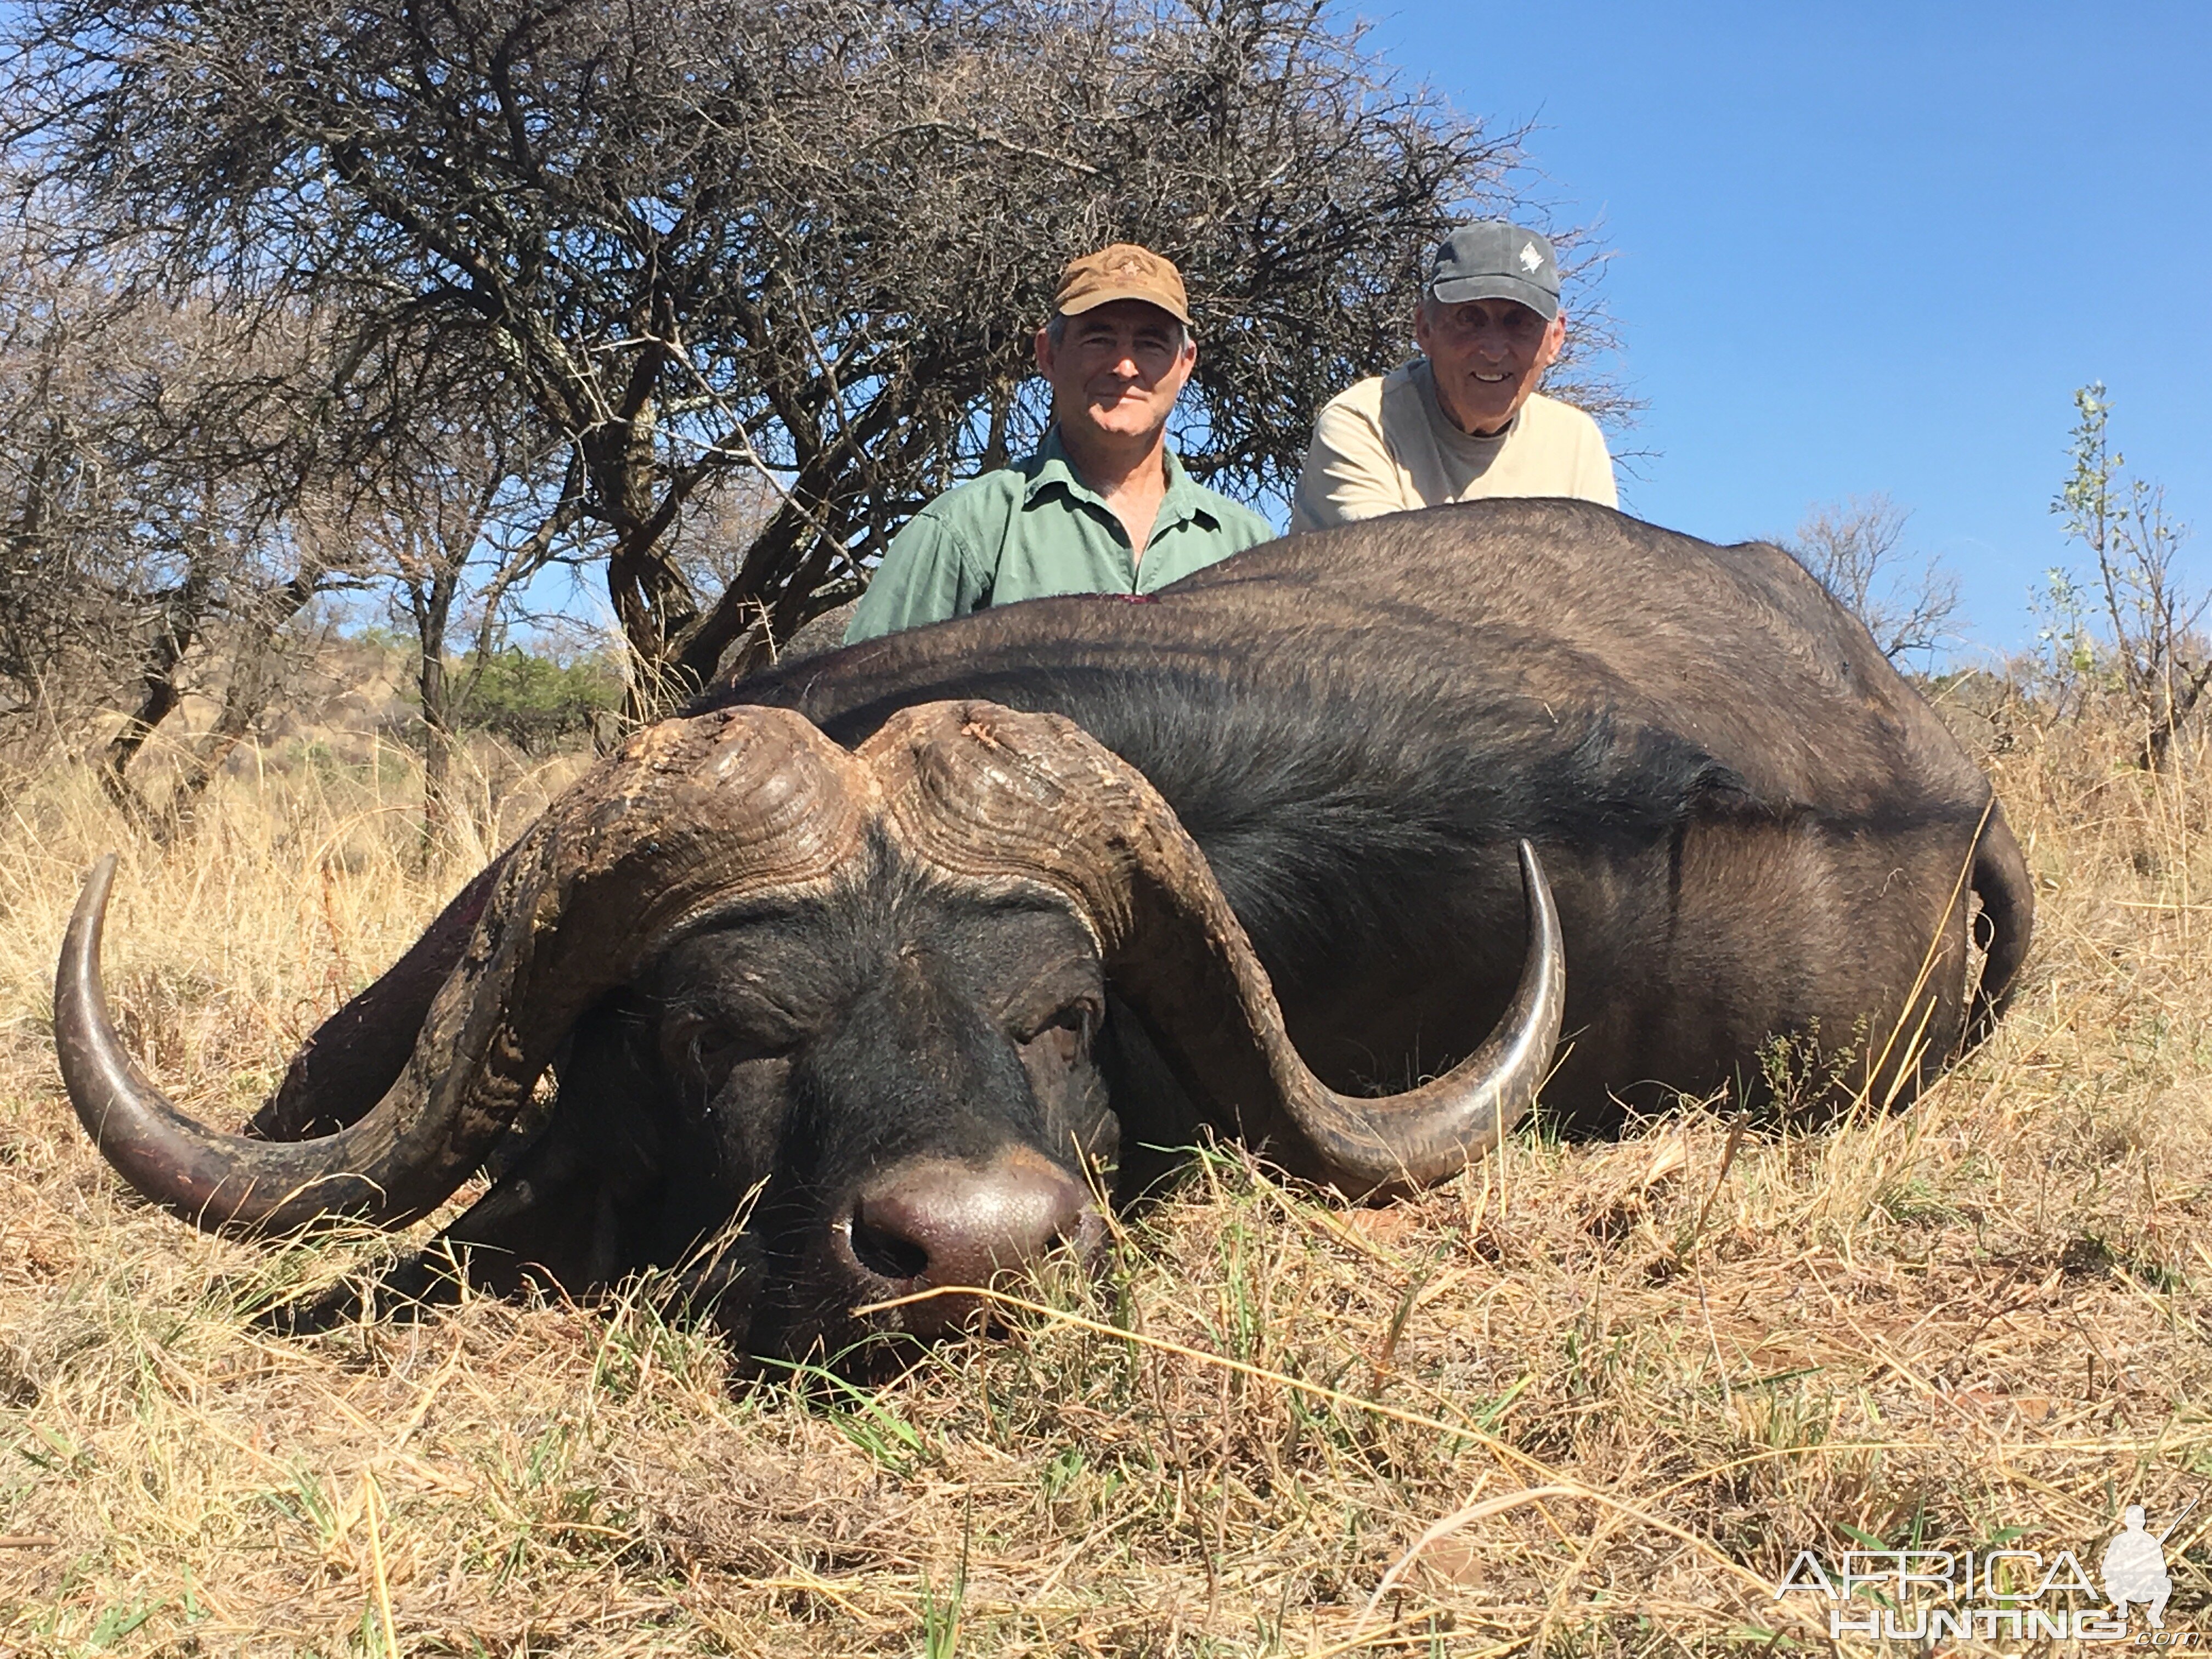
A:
{"x": 1157, "y": 1114}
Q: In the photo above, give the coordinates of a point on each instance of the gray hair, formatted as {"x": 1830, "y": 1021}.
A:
{"x": 1056, "y": 330}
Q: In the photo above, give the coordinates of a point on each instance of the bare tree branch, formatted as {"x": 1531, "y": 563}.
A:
{"x": 805, "y": 241}
{"x": 1855, "y": 548}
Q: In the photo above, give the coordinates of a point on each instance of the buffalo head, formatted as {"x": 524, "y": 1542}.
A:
{"x": 829, "y": 1029}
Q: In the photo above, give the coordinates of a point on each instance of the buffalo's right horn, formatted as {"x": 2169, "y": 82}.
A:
{"x": 688, "y": 816}
{"x": 991, "y": 794}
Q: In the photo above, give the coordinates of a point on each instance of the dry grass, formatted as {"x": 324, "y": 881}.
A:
{"x": 1614, "y": 1388}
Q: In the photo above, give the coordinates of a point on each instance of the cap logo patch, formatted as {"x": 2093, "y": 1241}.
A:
{"x": 1531, "y": 260}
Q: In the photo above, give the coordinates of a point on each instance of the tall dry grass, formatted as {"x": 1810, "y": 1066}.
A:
{"x": 1589, "y": 1399}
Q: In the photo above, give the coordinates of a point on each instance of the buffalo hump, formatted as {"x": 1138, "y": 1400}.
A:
{"x": 1758, "y": 829}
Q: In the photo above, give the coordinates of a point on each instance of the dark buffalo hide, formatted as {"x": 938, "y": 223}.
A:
{"x": 894, "y": 1067}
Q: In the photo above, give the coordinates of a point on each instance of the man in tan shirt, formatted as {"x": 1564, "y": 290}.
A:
{"x": 1464, "y": 419}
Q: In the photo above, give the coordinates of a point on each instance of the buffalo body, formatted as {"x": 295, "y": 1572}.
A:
{"x": 977, "y": 958}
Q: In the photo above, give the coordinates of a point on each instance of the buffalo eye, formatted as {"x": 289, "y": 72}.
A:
{"x": 710, "y": 1050}
{"x": 1065, "y": 1036}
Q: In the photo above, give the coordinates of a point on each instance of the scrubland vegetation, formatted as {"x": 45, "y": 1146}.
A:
{"x": 1590, "y": 1398}
{"x": 750, "y": 294}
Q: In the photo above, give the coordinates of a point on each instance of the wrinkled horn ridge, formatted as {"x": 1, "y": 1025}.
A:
{"x": 686, "y": 816}
{"x": 987, "y": 792}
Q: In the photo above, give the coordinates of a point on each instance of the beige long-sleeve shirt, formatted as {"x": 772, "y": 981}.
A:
{"x": 1385, "y": 445}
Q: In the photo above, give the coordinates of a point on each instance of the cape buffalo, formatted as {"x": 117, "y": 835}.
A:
{"x": 884, "y": 954}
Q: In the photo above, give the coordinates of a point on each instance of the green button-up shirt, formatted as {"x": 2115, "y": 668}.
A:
{"x": 1034, "y": 529}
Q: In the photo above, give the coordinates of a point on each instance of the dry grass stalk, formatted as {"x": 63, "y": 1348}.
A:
{"x": 1590, "y": 1399}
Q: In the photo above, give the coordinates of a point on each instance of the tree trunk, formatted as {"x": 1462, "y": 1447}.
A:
{"x": 437, "y": 760}
{"x": 433, "y": 607}
{"x": 656, "y": 608}
{"x": 652, "y": 599}
{"x": 773, "y": 595}
{"x": 243, "y": 698}
{"x": 175, "y": 625}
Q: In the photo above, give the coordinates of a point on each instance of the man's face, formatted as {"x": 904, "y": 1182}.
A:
{"x": 1117, "y": 369}
{"x": 1487, "y": 355}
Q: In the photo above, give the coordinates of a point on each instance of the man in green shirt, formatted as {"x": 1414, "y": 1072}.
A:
{"x": 1104, "y": 506}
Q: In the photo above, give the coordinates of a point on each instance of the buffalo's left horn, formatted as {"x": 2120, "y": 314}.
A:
{"x": 349, "y": 1060}
{"x": 990, "y": 793}
{"x": 689, "y": 817}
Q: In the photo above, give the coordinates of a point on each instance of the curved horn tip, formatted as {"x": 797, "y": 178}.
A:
{"x": 178, "y": 1163}
{"x": 1543, "y": 911}
{"x": 1543, "y": 987}
{"x": 81, "y": 939}
{"x": 1408, "y": 1141}
{"x": 95, "y": 1066}
{"x": 97, "y": 882}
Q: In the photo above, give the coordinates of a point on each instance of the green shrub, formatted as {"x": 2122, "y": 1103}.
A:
{"x": 534, "y": 703}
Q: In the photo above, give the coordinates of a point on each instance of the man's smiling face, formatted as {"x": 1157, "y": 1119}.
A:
{"x": 1488, "y": 356}
{"x": 1117, "y": 369}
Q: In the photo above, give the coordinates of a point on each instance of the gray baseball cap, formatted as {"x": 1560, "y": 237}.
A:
{"x": 1494, "y": 260}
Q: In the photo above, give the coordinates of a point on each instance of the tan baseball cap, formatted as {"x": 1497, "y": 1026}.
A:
{"x": 1122, "y": 272}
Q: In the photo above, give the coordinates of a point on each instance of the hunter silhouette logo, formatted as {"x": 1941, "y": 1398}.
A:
{"x": 2133, "y": 1568}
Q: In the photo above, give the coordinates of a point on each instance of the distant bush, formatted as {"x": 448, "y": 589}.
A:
{"x": 535, "y": 703}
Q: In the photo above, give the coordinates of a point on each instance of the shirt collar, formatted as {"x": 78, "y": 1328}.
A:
{"x": 1050, "y": 466}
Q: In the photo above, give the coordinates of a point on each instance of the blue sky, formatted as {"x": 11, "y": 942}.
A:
{"x": 1874, "y": 248}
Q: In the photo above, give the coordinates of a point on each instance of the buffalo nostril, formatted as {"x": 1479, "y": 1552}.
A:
{"x": 935, "y": 1223}
{"x": 884, "y": 1252}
